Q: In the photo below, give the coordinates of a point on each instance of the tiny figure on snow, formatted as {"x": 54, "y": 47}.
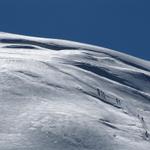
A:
{"x": 146, "y": 134}
{"x": 103, "y": 95}
{"x": 142, "y": 119}
{"x": 98, "y": 91}
{"x": 118, "y": 101}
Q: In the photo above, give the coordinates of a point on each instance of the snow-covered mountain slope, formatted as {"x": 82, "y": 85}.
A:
{"x": 62, "y": 95}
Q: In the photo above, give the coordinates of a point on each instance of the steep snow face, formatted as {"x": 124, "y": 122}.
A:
{"x": 62, "y": 95}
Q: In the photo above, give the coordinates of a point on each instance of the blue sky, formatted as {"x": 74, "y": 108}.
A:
{"x": 122, "y": 25}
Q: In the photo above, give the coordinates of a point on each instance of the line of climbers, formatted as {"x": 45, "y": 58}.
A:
{"x": 143, "y": 121}
{"x": 118, "y": 101}
{"x": 101, "y": 94}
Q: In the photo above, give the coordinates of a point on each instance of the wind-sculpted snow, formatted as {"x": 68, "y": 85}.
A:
{"x": 62, "y": 95}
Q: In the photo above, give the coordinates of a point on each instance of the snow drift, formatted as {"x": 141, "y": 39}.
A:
{"x": 62, "y": 95}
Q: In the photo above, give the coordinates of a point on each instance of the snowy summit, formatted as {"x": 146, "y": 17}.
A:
{"x": 63, "y": 95}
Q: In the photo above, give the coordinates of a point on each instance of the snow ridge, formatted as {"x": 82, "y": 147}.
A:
{"x": 64, "y": 95}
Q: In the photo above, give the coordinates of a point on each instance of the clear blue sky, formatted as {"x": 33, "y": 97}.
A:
{"x": 123, "y": 25}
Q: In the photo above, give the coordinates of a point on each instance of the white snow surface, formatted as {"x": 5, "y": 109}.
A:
{"x": 63, "y": 95}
